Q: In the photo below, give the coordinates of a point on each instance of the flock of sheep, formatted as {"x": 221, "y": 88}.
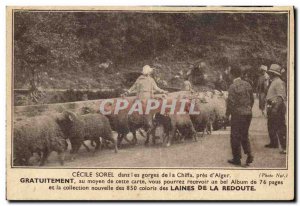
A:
{"x": 43, "y": 134}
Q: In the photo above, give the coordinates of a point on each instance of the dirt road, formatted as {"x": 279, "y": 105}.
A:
{"x": 211, "y": 151}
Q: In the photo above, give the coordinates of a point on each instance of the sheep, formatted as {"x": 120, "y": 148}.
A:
{"x": 212, "y": 106}
{"x": 123, "y": 123}
{"x": 79, "y": 128}
{"x": 172, "y": 123}
{"x": 118, "y": 122}
{"x": 39, "y": 135}
{"x": 212, "y": 111}
{"x": 203, "y": 122}
{"x": 219, "y": 102}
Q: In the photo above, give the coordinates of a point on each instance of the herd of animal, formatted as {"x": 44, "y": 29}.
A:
{"x": 43, "y": 134}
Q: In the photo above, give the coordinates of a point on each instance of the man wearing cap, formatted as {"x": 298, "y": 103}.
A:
{"x": 239, "y": 106}
{"x": 262, "y": 88}
{"x": 276, "y": 109}
{"x": 145, "y": 86}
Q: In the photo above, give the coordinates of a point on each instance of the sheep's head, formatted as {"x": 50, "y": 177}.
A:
{"x": 66, "y": 120}
{"x": 66, "y": 117}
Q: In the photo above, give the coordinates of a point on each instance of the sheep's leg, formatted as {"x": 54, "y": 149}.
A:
{"x": 180, "y": 137}
{"x": 150, "y": 129}
{"x": 134, "y": 139}
{"x": 209, "y": 127}
{"x": 119, "y": 139}
{"x": 147, "y": 141}
{"x": 98, "y": 143}
{"x": 114, "y": 143}
{"x": 93, "y": 143}
{"x": 225, "y": 124}
{"x": 44, "y": 157}
{"x": 195, "y": 137}
{"x": 171, "y": 137}
{"x": 164, "y": 137}
{"x": 141, "y": 133}
{"x": 109, "y": 137}
{"x": 86, "y": 147}
{"x": 76, "y": 147}
{"x": 152, "y": 132}
{"x": 148, "y": 138}
{"x": 61, "y": 157}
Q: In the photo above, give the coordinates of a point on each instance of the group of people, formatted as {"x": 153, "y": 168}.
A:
{"x": 272, "y": 95}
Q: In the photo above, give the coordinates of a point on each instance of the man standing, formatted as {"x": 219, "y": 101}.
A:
{"x": 239, "y": 106}
{"x": 187, "y": 85}
{"x": 262, "y": 88}
{"x": 276, "y": 109}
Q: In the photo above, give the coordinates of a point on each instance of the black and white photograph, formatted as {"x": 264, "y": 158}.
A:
{"x": 232, "y": 67}
{"x": 150, "y": 103}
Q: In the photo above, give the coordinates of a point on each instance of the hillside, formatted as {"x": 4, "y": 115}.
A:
{"x": 81, "y": 50}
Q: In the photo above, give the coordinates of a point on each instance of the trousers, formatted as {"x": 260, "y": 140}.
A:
{"x": 276, "y": 123}
{"x": 240, "y": 135}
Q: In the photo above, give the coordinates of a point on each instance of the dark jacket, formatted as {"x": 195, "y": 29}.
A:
{"x": 262, "y": 85}
{"x": 240, "y": 98}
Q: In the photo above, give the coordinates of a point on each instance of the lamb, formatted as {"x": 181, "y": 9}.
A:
{"x": 39, "y": 135}
{"x": 79, "y": 128}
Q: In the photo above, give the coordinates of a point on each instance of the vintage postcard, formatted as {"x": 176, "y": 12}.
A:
{"x": 150, "y": 103}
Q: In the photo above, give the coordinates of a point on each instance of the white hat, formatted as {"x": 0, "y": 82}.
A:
{"x": 275, "y": 69}
{"x": 263, "y": 67}
{"x": 147, "y": 70}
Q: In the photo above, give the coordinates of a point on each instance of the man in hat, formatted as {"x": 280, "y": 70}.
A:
{"x": 262, "y": 88}
{"x": 145, "y": 86}
{"x": 239, "y": 106}
{"x": 276, "y": 109}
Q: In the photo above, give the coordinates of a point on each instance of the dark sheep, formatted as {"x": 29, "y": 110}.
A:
{"x": 86, "y": 127}
{"x": 172, "y": 123}
{"x": 137, "y": 122}
{"x": 123, "y": 123}
{"x": 119, "y": 123}
{"x": 39, "y": 135}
